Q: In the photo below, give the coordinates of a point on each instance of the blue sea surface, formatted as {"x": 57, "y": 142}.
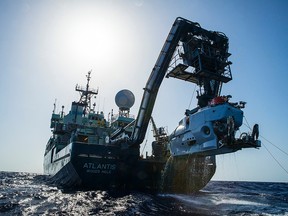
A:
{"x": 29, "y": 194}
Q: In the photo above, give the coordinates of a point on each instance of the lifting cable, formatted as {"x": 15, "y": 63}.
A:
{"x": 247, "y": 125}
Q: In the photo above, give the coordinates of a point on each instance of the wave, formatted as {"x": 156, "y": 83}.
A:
{"x": 31, "y": 194}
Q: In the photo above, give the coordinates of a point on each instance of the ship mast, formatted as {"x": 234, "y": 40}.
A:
{"x": 86, "y": 94}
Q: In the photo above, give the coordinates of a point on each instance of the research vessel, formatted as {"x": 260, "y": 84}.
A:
{"x": 88, "y": 150}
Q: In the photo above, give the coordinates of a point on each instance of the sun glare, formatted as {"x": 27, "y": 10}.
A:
{"x": 88, "y": 37}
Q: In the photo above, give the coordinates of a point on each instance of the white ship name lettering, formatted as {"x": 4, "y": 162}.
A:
{"x": 99, "y": 166}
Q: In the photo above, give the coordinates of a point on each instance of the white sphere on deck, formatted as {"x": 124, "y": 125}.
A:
{"x": 124, "y": 99}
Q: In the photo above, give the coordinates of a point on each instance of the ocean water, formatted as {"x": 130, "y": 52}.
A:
{"x": 30, "y": 194}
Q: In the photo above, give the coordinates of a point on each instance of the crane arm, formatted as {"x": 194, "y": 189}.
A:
{"x": 179, "y": 29}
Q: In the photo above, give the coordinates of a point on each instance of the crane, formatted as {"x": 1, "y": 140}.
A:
{"x": 199, "y": 56}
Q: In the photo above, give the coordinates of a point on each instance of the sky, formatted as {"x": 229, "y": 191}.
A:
{"x": 48, "y": 46}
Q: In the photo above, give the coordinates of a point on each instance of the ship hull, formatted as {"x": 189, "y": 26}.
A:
{"x": 102, "y": 167}
{"x": 109, "y": 167}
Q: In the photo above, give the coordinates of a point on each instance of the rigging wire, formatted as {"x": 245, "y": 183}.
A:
{"x": 247, "y": 123}
{"x": 144, "y": 147}
{"x": 192, "y": 96}
{"x": 268, "y": 149}
{"x": 146, "y": 138}
{"x": 274, "y": 145}
{"x": 266, "y": 139}
{"x": 275, "y": 158}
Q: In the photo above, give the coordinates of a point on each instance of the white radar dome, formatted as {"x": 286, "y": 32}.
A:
{"x": 124, "y": 99}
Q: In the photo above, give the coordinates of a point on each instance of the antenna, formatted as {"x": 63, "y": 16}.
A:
{"x": 54, "y": 106}
{"x": 103, "y": 104}
{"x": 98, "y": 107}
{"x": 62, "y": 111}
{"x": 85, "y": 94}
